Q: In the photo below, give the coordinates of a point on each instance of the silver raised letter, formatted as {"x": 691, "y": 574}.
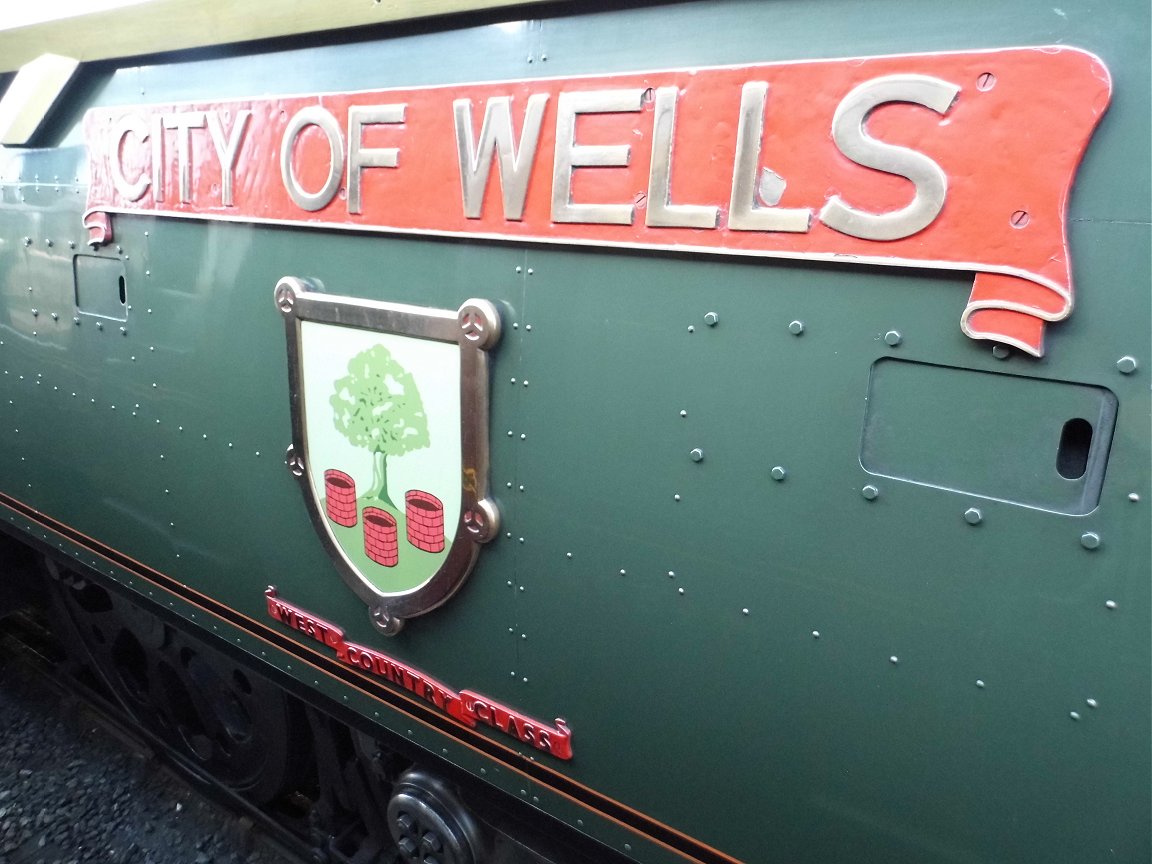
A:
{"x": 323, "y": 120}
{"x": 227, "y": 149}
{"x": 359, "y": 157}
{"x": 134, "y": 190}
{"x": 854, "y": 142}
{"x": 570, "y": 155}
{"x": 184, "y": 122}
{"x": 157, "y": 136}
{"x": 662, "y": 213}
{"x": 744, "y": 211}
{"x": 496, "y": 140}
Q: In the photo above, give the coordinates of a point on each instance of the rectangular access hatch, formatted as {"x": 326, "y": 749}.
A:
{"x": 1029, "y": 441}
{"x": 101, "y": 288}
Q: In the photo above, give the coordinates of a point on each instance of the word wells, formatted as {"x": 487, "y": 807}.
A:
{"x": 465, "y": 707}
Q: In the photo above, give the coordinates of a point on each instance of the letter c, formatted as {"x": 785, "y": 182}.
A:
{"x": 132, "y": 190}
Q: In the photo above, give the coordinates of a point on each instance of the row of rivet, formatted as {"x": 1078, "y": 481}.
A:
{"x": 893, "y": 338}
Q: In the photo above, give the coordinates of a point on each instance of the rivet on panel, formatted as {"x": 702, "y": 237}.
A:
{"x": 1127, "y": 365}
{"x": 779, "y": 472}
{"x": 567, "y": 554}
{"x": 527, "y": 326}
{"x": 512, "y": 380}
{"x": 523, "y": 436}
{"x": 676, "y": 497}
{"x": 531, "y": 271}
{"x": 980, "y": 683}
{"x": 711, "y": 319}
{"x": 744, "y": 611}
{"x": 1109, "y": 604}
{"x": 1075, "y": 715}
{"x": 35, "y": 313}
{"x": 1133, "y": 497}
{"x": 1090, "y": 540}
{"x": 683, "y": 413}
{"x": 525, "y": 382}
{"x": 893, "y": 338}
{"x": 870, "y": 492}
{"x": 623, "y": 572}
{"x": 691, "y": 329}
{"x": 894, "y": 660}
{"x": 55, "y": 317}
{"x": 973, "y": 516}
{"x": 99, "y": 325}
{"x": 519, "y": 269}
{"x": 679, "y": 590}
{"x": 815, "y": 634}
{"x": 1001, "y": 352}
{"x": 796, "y": 328}
{"x": 1091, "y": 703}
{"x": 697, "y": 454}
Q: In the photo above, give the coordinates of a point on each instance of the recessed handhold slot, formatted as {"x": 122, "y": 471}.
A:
{"x": 975, "y": 432}
{"x": 1075, "y": 445}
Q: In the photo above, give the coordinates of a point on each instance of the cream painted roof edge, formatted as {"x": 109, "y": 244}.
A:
{"x": 173, "y": 25}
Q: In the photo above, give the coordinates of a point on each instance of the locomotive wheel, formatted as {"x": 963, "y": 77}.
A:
{"x": 229, "y": 723}
{"x": 430, "y": 824}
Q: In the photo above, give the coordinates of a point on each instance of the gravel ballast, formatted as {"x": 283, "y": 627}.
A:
{"x": 72, "y": 790}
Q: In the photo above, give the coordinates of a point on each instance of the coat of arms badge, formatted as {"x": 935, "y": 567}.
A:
{"x": 390, "y": 441}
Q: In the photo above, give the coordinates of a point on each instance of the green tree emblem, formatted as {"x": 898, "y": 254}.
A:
{"x": 377, "y": 406}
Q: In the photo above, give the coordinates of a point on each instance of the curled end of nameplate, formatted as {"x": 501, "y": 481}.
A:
{"x": 99, "y": 226}
{"x": 1014, "y": 310}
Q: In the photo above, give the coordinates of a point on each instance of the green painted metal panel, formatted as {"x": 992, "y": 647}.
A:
{"x": 785, "y": 669}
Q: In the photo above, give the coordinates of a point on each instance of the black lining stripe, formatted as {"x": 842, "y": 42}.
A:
{"x": 613, "y": 810}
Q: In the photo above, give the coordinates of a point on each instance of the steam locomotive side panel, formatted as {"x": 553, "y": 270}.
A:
{"x": 772, "y": 558}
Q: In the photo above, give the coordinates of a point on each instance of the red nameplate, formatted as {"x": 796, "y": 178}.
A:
{"x": 959, "y": 161}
